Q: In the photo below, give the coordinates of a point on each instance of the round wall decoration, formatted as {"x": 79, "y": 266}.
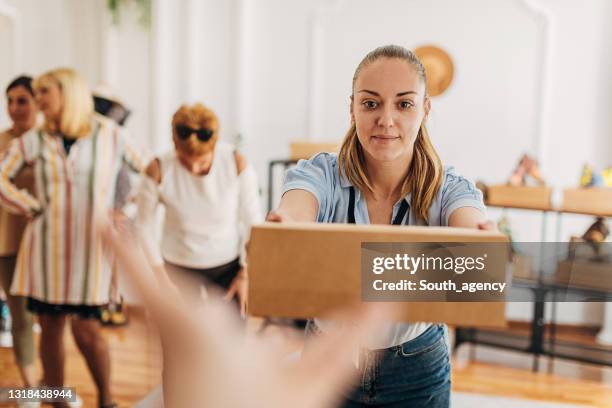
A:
{"x": 438, "y": 67}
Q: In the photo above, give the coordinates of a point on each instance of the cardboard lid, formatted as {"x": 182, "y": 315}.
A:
{"x": 400, "y": 233}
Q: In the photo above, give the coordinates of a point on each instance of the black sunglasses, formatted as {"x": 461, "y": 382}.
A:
{"x": 184, "y": 132}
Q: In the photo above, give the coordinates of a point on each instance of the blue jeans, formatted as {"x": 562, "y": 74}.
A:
{"x": 413, "y": 374}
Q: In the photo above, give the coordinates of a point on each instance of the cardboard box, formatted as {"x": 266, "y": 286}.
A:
{"x": 534, "y": 198}
{"x": 304, "y": 149}
{"x": 522, "y": 267}
{"x": 305, "y": 270}
{"x": 594, "y": 201}
{"x": 584, "y": 273}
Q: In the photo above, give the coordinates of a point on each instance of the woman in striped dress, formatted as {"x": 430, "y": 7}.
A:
{"x": 61, "y": 267}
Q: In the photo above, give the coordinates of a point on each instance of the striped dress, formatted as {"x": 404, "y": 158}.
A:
{"x": 12, "y": 226}
{"x": 61, "y": 260}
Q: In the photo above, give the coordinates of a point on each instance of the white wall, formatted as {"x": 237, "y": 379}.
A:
{"x": 49, "y": 34}
{"x": 125, "y": 66}
{"x": 193, "y": 60}
{"x": 277, "y": 70}
{"x": 78, "y": 34}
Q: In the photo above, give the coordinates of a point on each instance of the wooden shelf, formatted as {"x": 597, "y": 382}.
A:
{"x": 527, "y": 198}
{"x": 590, "y": 201}
{"x": 306, "y": 149}
{"x": 587, "y": 201}
{"x": 586, "y": 274}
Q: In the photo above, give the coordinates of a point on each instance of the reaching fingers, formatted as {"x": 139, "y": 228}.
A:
{"x": 487, "y": 225}
{"x": 273, "y": 216}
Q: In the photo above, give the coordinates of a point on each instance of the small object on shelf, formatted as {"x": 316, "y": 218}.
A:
{"x": 526, "y": 172}
{"x": 503, "y": 225}
{"x": 596, "y": 234}
{"x": 592, "y": 178}
{"x": 606, "y": 174}
{"x": 589, "y": 251}
{"x": 521, "y": 264}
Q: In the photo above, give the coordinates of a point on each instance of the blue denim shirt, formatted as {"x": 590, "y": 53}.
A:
{"x": 320, "y": 176}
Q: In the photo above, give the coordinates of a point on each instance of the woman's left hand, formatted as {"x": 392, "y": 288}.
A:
{"x": 487, "y": 226}
{"x": 239, "y": 288}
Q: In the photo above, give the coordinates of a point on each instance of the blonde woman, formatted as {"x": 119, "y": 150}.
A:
{"x": 388, "y": 172}
{"x": 61, "y": 268}
{"x": 22, "y": 110}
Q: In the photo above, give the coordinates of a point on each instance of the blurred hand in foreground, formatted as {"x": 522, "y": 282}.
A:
{"x": 213, "y": 364}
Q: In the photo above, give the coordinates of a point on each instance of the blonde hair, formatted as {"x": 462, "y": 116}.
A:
{"x": 77, "y": 109}
{"x": 424, "y": 177}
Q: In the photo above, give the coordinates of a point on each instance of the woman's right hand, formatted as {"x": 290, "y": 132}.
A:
{"x": 274, "y": 216}
{"x": 295, "y": 206}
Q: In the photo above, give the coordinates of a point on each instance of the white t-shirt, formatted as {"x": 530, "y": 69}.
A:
{"x": 207, "y": 217}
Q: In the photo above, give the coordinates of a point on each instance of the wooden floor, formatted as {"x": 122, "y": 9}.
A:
{"x": 137, "y": 363}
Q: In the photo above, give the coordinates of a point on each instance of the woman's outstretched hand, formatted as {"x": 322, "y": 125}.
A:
{"x": 211, "y": 361}
{"x": 274, "y": 216}
{"x": 487, "y": 225}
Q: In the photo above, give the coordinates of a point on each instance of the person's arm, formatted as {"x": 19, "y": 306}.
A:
{"x": 12, "y": 198}
{"x": 200, "y": 342}
{"x": 249, "y": 213}
{"x": 308, "y": 191}
{"x": 466, "y": 217}
{"x": 249, "y": 202}
{"x": 147, "y": 200}
{"x": 129, "y": 155}
{"x": 296, "y": 206}
{"x": 462, "y": 204}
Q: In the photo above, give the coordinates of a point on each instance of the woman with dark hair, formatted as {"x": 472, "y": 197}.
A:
{"x": 22, "y": 111}
{"x": 388, "y": 172}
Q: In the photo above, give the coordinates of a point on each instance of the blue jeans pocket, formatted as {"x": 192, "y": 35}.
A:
{"x": 406, "y": 350}
{"x": 421, "y": 366}
{"x": 413, "y": 374}
{"x": 430, "y": 343}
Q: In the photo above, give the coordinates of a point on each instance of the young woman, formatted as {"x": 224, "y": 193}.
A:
{"x": 61, "y": 268}
{"x": 22, "y": 111}
{"x": 388, "y": 172}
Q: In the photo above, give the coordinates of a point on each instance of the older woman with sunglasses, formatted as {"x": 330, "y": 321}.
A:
{"x": 211, "y": 199}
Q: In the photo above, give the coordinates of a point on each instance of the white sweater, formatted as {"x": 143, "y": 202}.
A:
{"x": 207, "y": 218}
